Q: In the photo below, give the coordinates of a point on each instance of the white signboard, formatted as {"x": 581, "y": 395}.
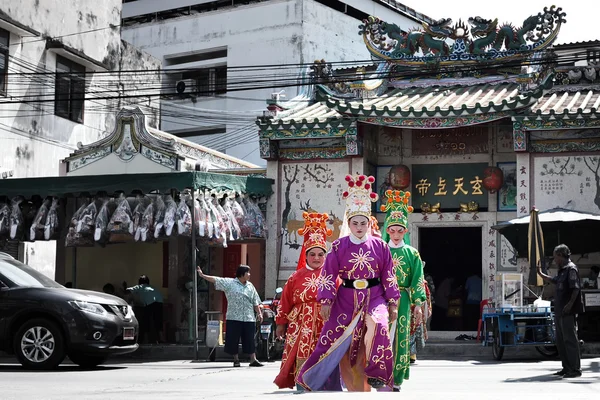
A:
{"x": 592, "y": 299}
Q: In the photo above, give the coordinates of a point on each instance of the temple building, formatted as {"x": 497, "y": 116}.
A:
{"x": 479, "y": 120}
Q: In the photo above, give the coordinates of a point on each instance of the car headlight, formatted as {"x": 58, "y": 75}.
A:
{"x": 88, "y": 307}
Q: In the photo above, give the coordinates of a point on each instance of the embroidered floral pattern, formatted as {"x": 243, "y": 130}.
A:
{"x": 361, "y": 260}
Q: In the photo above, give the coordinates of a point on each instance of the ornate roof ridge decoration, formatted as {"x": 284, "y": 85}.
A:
{"x": 578, "y": 75}
{"x": 485, "y": 40}
{"x": 128, "y": 115}
{"x": 131, "y": 136}
{"x": 351, "y": 82}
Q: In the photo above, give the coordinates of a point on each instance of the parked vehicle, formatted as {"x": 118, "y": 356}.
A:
{"x": 268, "y": 347}
{"x": 41, "y": 321}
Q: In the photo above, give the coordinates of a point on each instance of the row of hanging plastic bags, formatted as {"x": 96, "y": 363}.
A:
{"x": 146, "y": 218}
{"x": 24, "y": 220}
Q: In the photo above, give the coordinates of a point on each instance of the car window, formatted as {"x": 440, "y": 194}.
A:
{"x": 16, "y": 274}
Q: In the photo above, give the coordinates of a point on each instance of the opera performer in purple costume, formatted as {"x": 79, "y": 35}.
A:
{"x": 355, "y": 338}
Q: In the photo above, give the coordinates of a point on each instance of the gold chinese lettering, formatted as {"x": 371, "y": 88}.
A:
{"x": 441, "y": 188}
{"x": 476, "y": 185}
{"x": 423, "y": 186}
{"x": 459, "y": 186}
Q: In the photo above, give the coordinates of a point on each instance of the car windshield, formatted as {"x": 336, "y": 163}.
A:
{"x": 16, "y": 274}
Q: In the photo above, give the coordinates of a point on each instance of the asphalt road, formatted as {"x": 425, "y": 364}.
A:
{"x": 430, "y": 380}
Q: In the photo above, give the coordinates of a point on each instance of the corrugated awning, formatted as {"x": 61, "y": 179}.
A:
{"x": 128, "y": 183}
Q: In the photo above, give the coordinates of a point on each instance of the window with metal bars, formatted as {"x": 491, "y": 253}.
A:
{"x": 69, "y": 94}
{"x": 209, "y": 81}
{"x": 4, "y": 42}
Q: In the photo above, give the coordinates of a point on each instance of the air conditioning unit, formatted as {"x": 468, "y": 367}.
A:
{"x": 187, "y": 86}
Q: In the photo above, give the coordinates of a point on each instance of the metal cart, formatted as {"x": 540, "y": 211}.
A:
{"x": 519, "y": 326}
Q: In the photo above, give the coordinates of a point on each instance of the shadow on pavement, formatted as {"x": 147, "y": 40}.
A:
{"x": 61, "y": 368}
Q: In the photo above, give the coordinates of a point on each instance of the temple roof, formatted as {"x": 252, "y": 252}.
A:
{"x": 566, "y": 103}
{"x": 416, "y": 102}
{"x": 439, "y": 101}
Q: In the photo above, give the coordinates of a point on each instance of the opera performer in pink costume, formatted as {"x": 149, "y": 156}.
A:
{"x": 355, "y": 336}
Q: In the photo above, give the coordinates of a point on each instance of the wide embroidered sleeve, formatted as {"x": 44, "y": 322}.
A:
{"x": 327, "y": 287}
{"x": 417, "y": 288}
{"x": 287, "y": 302}
{"x": 388, "y": 275}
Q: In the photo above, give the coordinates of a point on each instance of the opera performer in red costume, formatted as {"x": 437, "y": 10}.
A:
{"x": 298, "y": 314}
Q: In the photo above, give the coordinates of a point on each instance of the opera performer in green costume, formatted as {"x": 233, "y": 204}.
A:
{"x": 409, "y": 273}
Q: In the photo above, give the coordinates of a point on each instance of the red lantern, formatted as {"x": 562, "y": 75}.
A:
{"x": 492, "y": 179}
{"x": 399, "y": 177}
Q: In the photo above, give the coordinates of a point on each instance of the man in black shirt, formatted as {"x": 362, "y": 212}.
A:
{"x": 567, "y": 304}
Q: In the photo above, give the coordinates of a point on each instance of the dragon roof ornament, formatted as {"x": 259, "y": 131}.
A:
{"x": 481, "y": 40}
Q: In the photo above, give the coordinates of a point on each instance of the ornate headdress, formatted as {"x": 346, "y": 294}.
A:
{"x": 359, "y": 196}
{"x": 315, "y": 234}
{"x": 375, "y": 227}
{"x": 395, "y": 204}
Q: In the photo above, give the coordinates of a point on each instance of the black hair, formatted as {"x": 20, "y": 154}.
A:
{"x": 109, "y": 288}
{"x": 241, "y": 271}
{"x": 314, "y": 247}
{"x": 143, "y": 280}
{"x": 596, "y": 269}
{"x": 562, "y": 250}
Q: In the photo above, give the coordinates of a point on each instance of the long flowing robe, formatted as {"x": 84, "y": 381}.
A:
{"x": 356, "y": 335}
{"x": 300, "y": 311}
{"x": 409, "y": 273}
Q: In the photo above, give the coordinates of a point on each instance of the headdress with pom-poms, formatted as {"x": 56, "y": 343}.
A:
{"x": 395, "y": 205}
{"x": 315, "y": 234}
{"x": 359, "y": 196}
{"x": 375, "y": 227}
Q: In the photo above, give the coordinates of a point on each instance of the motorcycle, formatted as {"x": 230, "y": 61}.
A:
{"x": 268, "y": 347}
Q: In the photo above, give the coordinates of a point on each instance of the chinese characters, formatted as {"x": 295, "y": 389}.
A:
{"x": 459, "y": 187}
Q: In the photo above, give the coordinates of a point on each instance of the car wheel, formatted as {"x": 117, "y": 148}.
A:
{"x": 39, "y": 344}
{"x": 87, "y": 361}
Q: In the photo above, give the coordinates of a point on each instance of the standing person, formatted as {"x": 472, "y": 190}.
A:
{"x": 148, "y": 304}
{"x": 567, "y": 304}
{"x": 409, "y": 274}
{"x": 442, "y": 303}
{"x": 298, "y": 314}
{"x": 431, "y": 289}
{"x": 242, "y": 312}
{"x": 473, "y": 287}
{"x": 355, "y": 335}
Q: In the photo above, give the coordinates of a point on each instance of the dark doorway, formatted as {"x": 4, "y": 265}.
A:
{"x": 452, "y": 258}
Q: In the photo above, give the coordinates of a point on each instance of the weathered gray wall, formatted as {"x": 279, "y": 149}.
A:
{"x": 32, "y": 139}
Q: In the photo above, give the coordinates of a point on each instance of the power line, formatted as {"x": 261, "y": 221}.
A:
{"x": 44, "y": 38}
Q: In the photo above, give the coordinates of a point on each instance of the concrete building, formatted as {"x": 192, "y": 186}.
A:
{"x": 219, "y": 39}
{"x": 60, "y": 85}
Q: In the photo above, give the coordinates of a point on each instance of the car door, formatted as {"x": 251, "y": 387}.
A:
{"x": 6, "y": 305}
